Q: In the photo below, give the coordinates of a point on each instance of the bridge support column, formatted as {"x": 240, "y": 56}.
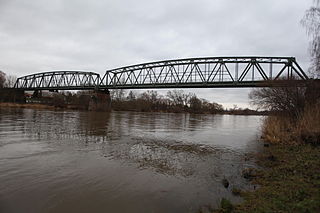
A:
{"x": 100, "y": 101}
{"x": 37, "y": 94}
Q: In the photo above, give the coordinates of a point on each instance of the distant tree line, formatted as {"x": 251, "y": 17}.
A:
{"x": 149, "y": 101}
{"x": 152, "y": 101}
{"x": 72, "y": 100}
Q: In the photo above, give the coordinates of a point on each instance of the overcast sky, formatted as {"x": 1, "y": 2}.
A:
{"x": 96, "y": 35}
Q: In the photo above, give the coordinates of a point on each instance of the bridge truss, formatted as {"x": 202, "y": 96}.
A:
{"x": 204, "y": 72}
{"x": 182, "y": 73}
{"x": 59, "y": 80}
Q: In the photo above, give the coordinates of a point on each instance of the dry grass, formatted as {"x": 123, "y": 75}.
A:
{"x": 278, "y": 129}
{"x": 283, "y": 129}
{"x": 32, "y": 106}
{"x": 310, "y": 120}
{"x": 290, "y": 181}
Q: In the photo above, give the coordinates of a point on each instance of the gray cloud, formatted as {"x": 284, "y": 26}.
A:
{"x": 98, "y": 35}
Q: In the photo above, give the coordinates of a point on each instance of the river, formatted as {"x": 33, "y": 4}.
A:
{"x": 70, "y": 161}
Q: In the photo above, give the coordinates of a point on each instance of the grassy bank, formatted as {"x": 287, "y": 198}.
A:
{"x": 289, "y": 178}
{"x": 287, "y": 130}
{"x": 289, "y": 182}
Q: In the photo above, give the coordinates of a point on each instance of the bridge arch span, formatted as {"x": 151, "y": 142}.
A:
{"x": 242, "y": 71}
{"x": 59, "y": 80}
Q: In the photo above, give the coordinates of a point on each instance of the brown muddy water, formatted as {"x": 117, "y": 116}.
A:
{"x": 69, "y": 161}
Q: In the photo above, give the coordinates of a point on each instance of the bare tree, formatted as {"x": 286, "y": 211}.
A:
{"x": 131, "y": 96}
{"x": 178, "y": 97}
{"x": 311, "y": 21}
{"x": 117, "y": 94}
{"x": 287, "y": 100}
{"x": 2, "y": 79}
{"x": 195, "y": 104}
{"x": 10, "y": 81}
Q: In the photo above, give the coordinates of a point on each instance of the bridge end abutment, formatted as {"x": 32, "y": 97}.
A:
{"x": 12, "y": 95}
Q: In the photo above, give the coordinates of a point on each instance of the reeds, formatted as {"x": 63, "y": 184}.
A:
{"x": 285, "y": 129}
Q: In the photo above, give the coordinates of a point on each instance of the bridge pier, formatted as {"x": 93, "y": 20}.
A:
{"x": 100, "y": 101}
{"x": 37, "y": 94}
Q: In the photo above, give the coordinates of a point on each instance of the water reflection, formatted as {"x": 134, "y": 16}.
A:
{"x": 147, "y": 139}
{"x": 191, "y": 153}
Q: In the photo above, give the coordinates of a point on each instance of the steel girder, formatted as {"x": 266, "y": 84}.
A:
{"x": 59, "y": 80}
{"x": 182, "y": 73}
{"x": 204, "y": 72}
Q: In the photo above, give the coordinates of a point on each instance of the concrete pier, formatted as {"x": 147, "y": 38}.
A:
{"x": 100, "y": 101}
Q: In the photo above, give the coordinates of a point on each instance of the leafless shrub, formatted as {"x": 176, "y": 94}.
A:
{"x": 311, "y": 21}
{"x": 289, "y": 100}
{"x": 10, "y": 81}
{"x": 2, "y": 79}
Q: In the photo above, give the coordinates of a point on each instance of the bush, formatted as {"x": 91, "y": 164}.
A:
{"x": 226, "y": 205}
{"x": 296, "y": 112}
{"x": 289, "y": 99}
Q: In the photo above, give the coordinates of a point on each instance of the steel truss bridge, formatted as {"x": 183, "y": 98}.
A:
{"x": 210, "y": 72}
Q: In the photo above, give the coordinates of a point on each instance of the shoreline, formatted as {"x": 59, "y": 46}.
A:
{"x": 26, "y": 105}
{"x": 72, "y": 107}
{"x": 288, "y": 181}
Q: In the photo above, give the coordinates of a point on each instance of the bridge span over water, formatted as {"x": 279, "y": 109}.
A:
{"x": 209, "y": 72}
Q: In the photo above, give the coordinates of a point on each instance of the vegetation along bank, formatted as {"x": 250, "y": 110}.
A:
{"x": 289, "y": 178}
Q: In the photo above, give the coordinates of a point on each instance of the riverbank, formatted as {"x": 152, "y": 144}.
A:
{"x": 39, "y": 106}
{"x": 75, "y": 107}
{"x": 289, "y": 178}
{"x": 30, "y": 106}
{"x": 289, "y": 181}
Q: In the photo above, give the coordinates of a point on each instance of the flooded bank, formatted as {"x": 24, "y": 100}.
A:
{"x": 69, "y": 161}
